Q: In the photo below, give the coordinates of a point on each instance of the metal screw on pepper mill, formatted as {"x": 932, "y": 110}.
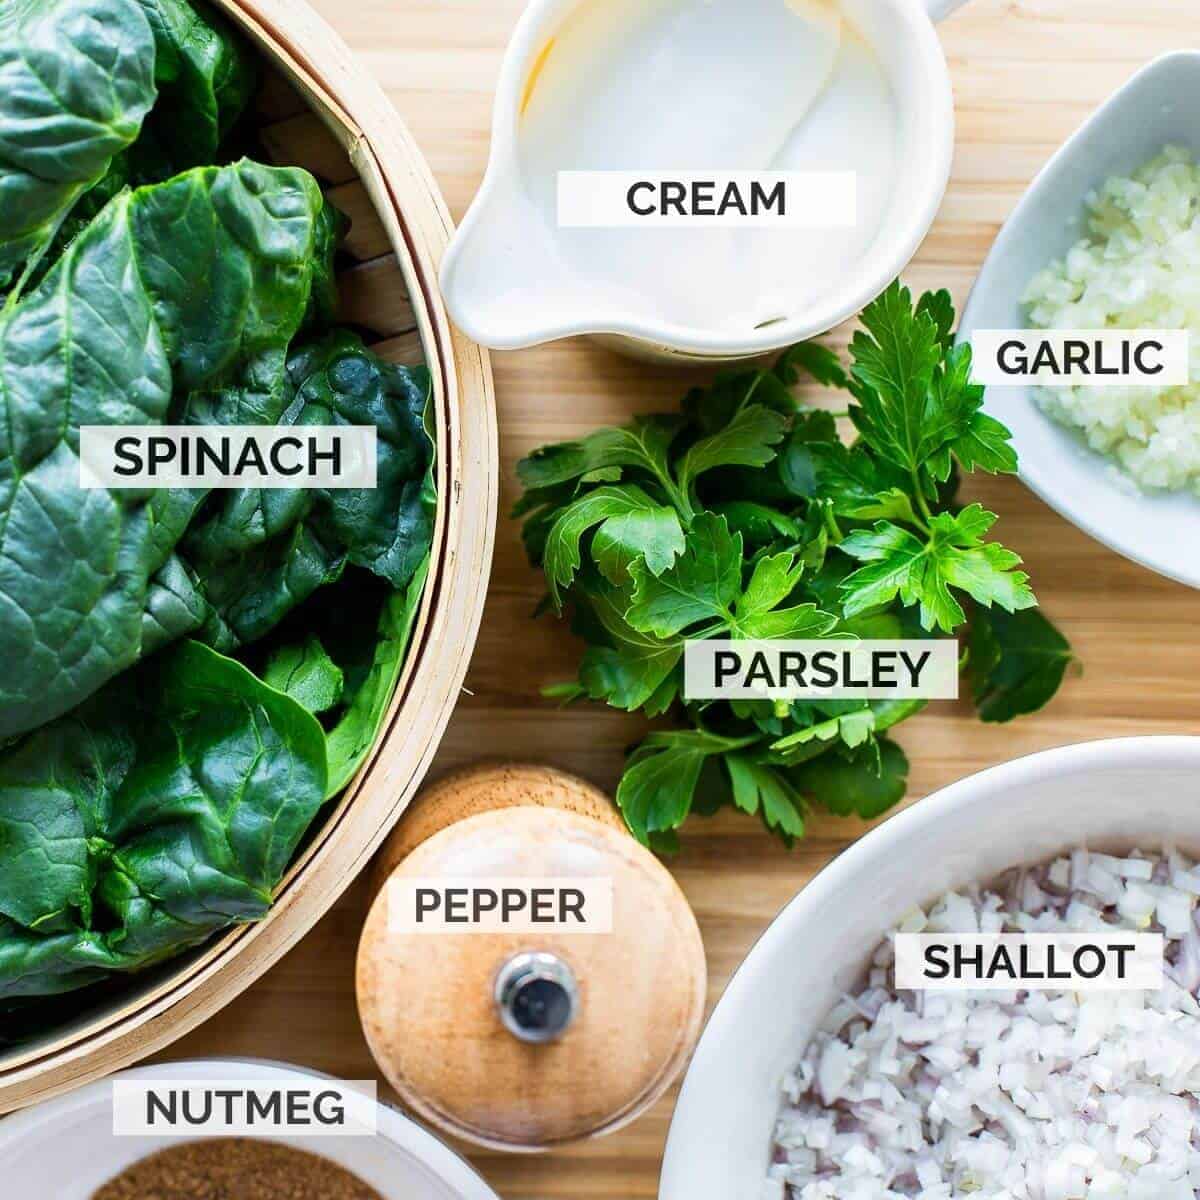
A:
{"x": 537, "y": 997}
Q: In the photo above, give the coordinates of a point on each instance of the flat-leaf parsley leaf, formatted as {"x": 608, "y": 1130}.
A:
{"x": 746, "y": 516}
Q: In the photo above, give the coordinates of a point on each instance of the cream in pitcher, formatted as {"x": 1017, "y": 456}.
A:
{"x": 714, "y": 93}
{"x": 709, "y": 86}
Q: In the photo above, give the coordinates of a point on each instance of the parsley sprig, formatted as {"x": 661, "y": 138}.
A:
{"x": 746, "y": 516}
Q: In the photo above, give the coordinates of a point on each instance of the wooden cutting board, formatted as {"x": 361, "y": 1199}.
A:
{"x": 1026, "y": 73}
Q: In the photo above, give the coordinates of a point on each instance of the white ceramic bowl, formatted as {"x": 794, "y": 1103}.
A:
{"x": 1158, "y": 106}
{"x": 65, "y": 1148}
{"x": 1109, "y": 795}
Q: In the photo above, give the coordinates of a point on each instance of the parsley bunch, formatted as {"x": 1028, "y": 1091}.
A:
{"x": 745, "y": 516}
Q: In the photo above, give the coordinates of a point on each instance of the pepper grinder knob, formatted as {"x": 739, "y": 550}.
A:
{"x": 536, "y": 996}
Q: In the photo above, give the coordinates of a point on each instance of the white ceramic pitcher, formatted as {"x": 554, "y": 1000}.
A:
{"x": 507, "y": 288}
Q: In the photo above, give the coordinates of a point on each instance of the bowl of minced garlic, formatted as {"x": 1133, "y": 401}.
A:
{"x": 69, "y": 1148}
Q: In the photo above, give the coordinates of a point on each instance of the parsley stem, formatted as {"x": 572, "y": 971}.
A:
{"x": 759, "y": 376}
{"x": 677, "y": 497}
{"x": 832, "y": 528}
{"x": 922, "y": 506}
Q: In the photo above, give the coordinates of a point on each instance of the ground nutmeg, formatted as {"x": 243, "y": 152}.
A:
{"x": 235, "y": 1169}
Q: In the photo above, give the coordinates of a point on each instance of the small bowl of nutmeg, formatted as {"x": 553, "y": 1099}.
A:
{"x": 75, "y": 1147}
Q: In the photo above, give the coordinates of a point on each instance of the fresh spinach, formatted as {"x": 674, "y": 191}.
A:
{"x": 189, "y": 676}
{"x": 747, "y": 516}
{"x": 168, "y": 805}
{"x": 196, "y": 285}
{"x": 206, "y": 76}
{"x": 260, "y": 552}
{"x": 164, "y": 808}
{"x": 373, "y": 679}
{"x": 99, "y": 95}
{"x": 76, "y": 82}
{"x": 341, "y": 656}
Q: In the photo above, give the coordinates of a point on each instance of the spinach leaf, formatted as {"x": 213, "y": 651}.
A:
{"x": 166, "y": 807}
{"x": 337, "y": 381}
{"x": 193, "y": 285}
{"x": 206, "y": 76}
{"x": 260, "y": 552}
{"x": 76, "y": 82}
{"x": 374, "y": 680}
{"x": 340, "y": 656}
{"x": 98, "y": 98}
{"x": 305, "y": 672}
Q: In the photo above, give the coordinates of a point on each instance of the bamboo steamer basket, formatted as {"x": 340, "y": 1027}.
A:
{"x": 319, "y": 109}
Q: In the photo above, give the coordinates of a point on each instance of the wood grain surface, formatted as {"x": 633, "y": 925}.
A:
{"x": 1026, "y": 73}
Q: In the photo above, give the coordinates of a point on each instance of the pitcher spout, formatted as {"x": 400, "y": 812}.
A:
{"x": 504, "y": 279}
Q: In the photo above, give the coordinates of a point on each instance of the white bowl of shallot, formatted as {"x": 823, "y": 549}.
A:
{"x": 817, "y": 1079}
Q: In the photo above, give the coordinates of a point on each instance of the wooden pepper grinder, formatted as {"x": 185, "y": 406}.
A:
{"x": 526, "y": 1042}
